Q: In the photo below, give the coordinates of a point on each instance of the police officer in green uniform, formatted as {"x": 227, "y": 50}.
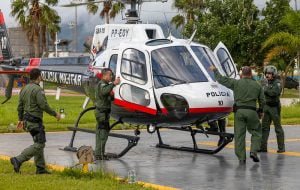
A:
{"x": 32, "y": 104}
{"x": 103, "y": 98}
{"x": 272, "y": 90}
{"x": 246, "y": 94}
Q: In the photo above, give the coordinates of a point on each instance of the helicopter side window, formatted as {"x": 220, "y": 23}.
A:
{"x": 204, "y": 58}
{"x": 226, "y": 62}
{"x": 151, "y": 33}
{"x": 134, "y": 94}
{"x": 113, "y": 63}
{"x": 133, "y": 66}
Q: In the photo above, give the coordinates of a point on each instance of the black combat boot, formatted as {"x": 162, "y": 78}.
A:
{"x": 281, "y": 151}
{"x": 254, "y": 157}
{"x": 262, "y": 150}
{"x": 43, "y": 172}
{"x": 17, "y": 165}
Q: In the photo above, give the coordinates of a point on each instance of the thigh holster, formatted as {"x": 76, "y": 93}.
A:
{"x": 38, "y": 134}
{"x": 104, "y": 122}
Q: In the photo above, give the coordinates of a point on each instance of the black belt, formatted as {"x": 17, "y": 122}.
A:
{"x": 246, "y": 107}
{"x": 32, "y": 118}
{"x": 235, "y": 108}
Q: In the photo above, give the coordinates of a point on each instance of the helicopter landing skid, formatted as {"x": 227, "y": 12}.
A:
{"x": 132, "y": 140}
{"x": 226, "y": 138}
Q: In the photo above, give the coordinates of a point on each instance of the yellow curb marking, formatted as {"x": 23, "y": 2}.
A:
{"x": 3, "y": 157}
{"x": 286, "y": 140}
{"x": 231, "y": 146}
{"x": 61, "y": 168}
{"x": 156, "y": 186}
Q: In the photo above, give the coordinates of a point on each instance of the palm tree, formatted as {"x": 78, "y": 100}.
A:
{"x": 35, "y": 17}
{"x": 189, "y": 10}
{"x": 49, "y": 24}
{"x": 110, "y": 9}
{"x": 285, "y": 46}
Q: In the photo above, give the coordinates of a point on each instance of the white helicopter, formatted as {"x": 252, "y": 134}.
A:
{"x": 165, "y": 82}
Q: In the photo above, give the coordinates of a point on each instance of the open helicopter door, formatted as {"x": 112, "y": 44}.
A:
{"x": 226, "y": 61}
{"x": 135, "y": 93}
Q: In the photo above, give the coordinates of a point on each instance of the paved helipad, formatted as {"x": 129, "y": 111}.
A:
{"x": 179, "y": 169}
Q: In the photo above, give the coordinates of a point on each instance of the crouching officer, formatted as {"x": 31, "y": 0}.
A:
{"x": 103, "y": 98}
{"x": 246, "y": 93}
{"x": 32, "y": 103}
{"x": 272, "y": 90}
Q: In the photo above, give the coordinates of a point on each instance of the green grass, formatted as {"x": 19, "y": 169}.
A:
{"x": 69, "y": 179}
{"x": 290, "y": 93}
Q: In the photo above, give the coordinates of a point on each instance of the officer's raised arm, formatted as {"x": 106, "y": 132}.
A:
{"x": 261, "y": 103}
{"x": 226, "y": 81}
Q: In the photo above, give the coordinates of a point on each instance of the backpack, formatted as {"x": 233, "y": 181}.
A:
{"x": 85, "y": 154}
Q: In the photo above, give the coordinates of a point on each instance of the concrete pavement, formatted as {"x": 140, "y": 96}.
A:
{"x": 178, "y": 169}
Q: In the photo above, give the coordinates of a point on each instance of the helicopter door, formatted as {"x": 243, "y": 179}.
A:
{"x": 112, "y": 64}
{"x": 135, "y": 92}
{"x": 226, "y": 61}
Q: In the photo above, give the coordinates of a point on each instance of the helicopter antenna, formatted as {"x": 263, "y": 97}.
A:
{"x": 192, "y": 37}
{"x": 169, "y": 29}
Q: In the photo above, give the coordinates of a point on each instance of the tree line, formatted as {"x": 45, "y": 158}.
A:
{"x": 254, "y": 37}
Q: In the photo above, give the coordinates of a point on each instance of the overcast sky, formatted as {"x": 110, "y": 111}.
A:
{"x": 150, "y": 12}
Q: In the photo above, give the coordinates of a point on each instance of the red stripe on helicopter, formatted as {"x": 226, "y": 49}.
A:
{"x": 33, "y": 63}
{"x": 134, "y": 107}
{"x": 210, "y": 110}
{"x": 1, "y": 18}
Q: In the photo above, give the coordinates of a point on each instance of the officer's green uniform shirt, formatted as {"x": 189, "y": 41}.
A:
{"x": 102, "y": 95}
{"x": 245, "y": 90}
{"x": 32, "y": 100}
{"x": 272, "y": 91}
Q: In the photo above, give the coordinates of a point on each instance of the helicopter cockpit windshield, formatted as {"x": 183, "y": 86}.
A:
{"x": 174, "y": 65}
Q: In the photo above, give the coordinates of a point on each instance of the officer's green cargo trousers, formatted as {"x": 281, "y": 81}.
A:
{"x": 272, "y": 114}
{"x": 37, "y": 149}
{"x": 246, "y": 119}
{"x": 102, "y": 131}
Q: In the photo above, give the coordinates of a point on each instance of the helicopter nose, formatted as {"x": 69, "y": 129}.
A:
{"x": 176, "y": 105}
